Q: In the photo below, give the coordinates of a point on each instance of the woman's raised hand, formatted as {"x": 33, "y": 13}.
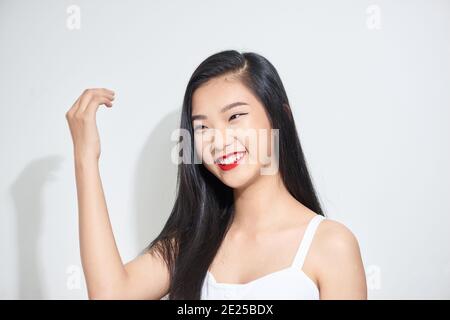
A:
{"x": 82, "y": 121}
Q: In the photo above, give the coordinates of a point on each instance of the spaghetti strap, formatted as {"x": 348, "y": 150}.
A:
{"x": 284, "y": 284}
{"x": 306, "y": 241}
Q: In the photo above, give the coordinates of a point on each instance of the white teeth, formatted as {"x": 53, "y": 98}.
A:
{"x": 231, "y": 159}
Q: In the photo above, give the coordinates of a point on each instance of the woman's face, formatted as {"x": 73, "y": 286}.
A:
{"x": 232, "y": 131}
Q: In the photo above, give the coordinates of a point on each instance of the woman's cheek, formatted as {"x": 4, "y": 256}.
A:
{"x": 265, "y": 152}
{"x": 199, "y": 149}
{"x": 251, "y": 140}
{"x": 203, "y": 154}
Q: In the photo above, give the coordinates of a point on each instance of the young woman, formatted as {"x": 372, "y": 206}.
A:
{"x": 238, "y": 229}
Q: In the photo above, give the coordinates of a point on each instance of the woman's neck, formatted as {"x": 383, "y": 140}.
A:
{"x": 262, "y": 205}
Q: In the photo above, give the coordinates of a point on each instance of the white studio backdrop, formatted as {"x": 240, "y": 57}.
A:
{"x": 368, "y": 83}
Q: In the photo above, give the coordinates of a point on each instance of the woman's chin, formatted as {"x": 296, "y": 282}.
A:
{"x": 237, "y": 179}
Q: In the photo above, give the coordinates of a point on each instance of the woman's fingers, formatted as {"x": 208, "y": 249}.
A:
{"x": 82, "y": 122}
{"x": 100, "y": 96}
{"x": 95, "y": 102}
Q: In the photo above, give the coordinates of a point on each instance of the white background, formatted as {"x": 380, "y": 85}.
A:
{"x": 368, "y": 83}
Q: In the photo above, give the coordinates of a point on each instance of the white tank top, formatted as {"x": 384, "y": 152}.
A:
{"x": 290, "y": 283}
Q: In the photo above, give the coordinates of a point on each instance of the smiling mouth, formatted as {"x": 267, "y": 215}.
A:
{"x": 230, "y": 161}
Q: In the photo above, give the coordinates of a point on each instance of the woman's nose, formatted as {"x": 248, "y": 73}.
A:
{"x": 222, "y": 138}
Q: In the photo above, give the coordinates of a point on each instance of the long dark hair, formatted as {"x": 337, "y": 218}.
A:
{"x": 204, "y": 206}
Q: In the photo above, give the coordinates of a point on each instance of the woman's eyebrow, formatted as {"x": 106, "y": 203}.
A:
{"x": 224, "y": 109}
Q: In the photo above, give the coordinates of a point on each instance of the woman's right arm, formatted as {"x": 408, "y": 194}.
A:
{"x": 145, "y": 277}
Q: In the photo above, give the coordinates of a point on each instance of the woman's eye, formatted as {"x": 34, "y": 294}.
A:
{"x": 235, "y": 116}
{"x": 200, "y": 127}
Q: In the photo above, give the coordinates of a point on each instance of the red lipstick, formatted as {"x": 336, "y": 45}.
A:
{"x": 239, "y": 155}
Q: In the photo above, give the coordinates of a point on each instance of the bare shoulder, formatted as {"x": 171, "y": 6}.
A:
{"x": 335, "y": 238}
{"x": 338, "y": 262}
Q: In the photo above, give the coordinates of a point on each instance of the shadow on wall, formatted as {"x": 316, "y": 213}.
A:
{"x": 155, "y": 180}
{"x": 26, "y": 192}
{"x": 154, "y": 196}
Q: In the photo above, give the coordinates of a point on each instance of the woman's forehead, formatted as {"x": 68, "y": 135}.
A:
{"x": 216, "y": 93}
